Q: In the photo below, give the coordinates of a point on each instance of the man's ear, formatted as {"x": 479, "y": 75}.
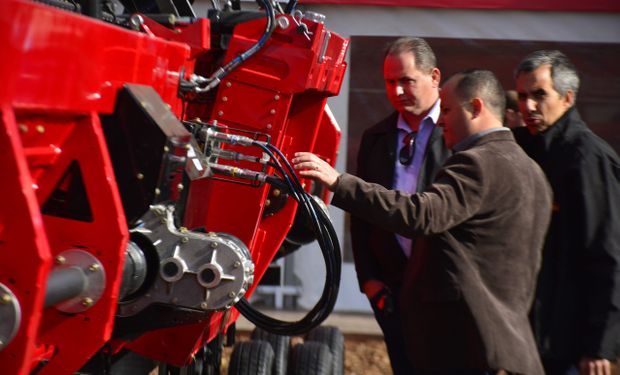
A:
{"x": 569, "y": 98}
{"x": 476, "y": 107}
{"x": 435, "y": 77}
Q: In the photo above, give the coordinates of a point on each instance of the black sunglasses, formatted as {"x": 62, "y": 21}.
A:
{"x": 405, "y": 155}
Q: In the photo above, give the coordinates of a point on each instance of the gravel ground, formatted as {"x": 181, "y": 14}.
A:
{"x": 364, "y": 355}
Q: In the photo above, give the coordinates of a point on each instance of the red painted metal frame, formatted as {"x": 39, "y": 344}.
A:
{"x": 64, "y": 70}
{"x": 281, "y": 91}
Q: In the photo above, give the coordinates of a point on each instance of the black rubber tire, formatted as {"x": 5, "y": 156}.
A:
{"x": 280, "y": 345}
{"x": 310, "y": 358}
{"x": 254, "y": 357}
{"x": 334, "y": 339}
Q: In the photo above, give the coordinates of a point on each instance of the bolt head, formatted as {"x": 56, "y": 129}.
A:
{"x": 87, "y": 302}
{"x": 60, "y": 259}
{"x": 6, "y": 298}
{"x": 94, "y": 267}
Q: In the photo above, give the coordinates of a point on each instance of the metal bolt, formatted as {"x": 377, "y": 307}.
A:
{"x": 269, "y": 126}
{"x": 23, "y": 128}
{"x": 267, "y": 203}
{"x": 228, "y": 84}
{"x": 231, "y": 294}
{"x": 180, "y": 187}
{"x": 6, "y": 298}
{"x": 283, "y": 23}
{"x": 277, "y": 97}
{"x": 94, "y": 267}
{"x": 40, "y": 129}
{"x": 157, "y": 191}
{"x": 87, "y": 302}
{"x": 237, "y": 264}
{"x": 197, "y": 119}
{"x": 224, "y": 99}
{"x": 213, "y": 245}
{"x": 139, "y": 176}
{"x": 184, "y": 240}
{"x": 204, "y": 305}
{"x": 220, "y": 113}
{"x": 60, "y": 259}
{"x": 273, "y": 111}
{"x": 183, "y": 230}
{"x": 166, "y": 148}
{"x": 276, "y": 192}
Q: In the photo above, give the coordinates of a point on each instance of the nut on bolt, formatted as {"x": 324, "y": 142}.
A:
{"x": 60, "y": 259}
{"x": 94, "y": 267}
{"x": 6, "y": 298}
{"x": 87, "y": 302}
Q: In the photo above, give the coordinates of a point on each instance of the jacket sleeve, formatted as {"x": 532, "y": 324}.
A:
{"x": 596, "y": 222}
{"x": 364, "y": 259}
{"x": 455, "y": 196}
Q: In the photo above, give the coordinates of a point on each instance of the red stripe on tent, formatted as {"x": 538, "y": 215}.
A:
{"x": 542, "y": 5}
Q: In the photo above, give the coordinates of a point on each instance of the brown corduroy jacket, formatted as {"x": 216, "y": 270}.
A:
{"x": 470, "y": 280}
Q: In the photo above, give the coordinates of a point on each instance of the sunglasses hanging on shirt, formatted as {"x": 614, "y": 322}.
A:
{"x": 405, "y": 155}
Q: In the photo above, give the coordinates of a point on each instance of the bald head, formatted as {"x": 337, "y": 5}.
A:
{"x": 481, "y": 84}
{"x": 471, "y": 101}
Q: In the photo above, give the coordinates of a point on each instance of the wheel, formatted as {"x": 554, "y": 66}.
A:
{"x": 333, "y": 338}
{"x": 206, "y": 361}
{"x": 254, "y": 357}
{"x": 310, "y": 358}
{"x": 280, "y": 345}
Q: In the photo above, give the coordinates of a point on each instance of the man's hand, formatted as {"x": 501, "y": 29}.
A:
{"x": 594, "y": 366}
{"x": 313, "y": 167}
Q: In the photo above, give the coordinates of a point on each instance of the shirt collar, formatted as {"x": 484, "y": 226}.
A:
{"x": 433, "y": 115}
{"x": 469, "y": 141}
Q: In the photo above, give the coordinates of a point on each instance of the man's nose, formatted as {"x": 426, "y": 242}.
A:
{"x": 398, "y": 90}
{"x": 530, "y": 105}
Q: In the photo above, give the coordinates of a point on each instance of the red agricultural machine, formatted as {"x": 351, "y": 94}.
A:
{"x": 143, "y": 154}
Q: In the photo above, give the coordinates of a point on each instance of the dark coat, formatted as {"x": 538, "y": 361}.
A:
{"x": 472, "y": 273}
{"x": 376, "y": 251}
{"x": 576, "y": 312}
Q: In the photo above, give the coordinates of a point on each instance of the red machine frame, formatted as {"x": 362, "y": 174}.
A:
{"x": 62, "y": 71}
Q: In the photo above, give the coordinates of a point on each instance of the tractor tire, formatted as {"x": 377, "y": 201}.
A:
{"x": 333, "y": 338}
{"x": 254, "y": 357}
{"x": 310, "y": 358}
{"x": 280, "y": 345}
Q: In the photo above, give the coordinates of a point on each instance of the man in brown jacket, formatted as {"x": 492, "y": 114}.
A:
{"x": 480, "y": 227}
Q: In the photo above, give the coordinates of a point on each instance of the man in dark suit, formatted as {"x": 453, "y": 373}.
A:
{"x": 403, "y": 151}
{"x": 576, "y": 311}
{"x": 480, "y": 225}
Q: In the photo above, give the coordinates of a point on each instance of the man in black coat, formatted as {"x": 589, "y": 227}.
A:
{"x": 480, "y": 225}
{"x": 576, "y": 312}
{"x": 404, "y": 152}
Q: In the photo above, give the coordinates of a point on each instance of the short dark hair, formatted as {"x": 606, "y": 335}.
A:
{"x": 563, "y": 73}
{"x": 425, "y": 59}
{"x": 483, "y": 84}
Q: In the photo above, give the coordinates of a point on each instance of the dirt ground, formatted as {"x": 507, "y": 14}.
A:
{"x": 364, "y": 355}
